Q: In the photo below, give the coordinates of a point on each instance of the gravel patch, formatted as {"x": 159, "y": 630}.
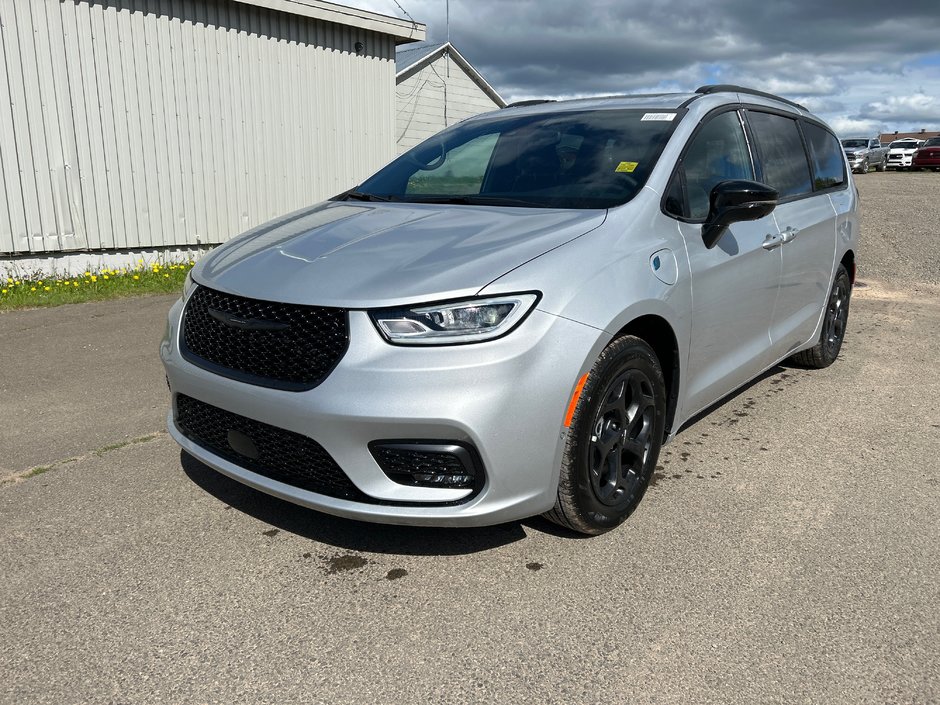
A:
{"x": 900, "y": 236}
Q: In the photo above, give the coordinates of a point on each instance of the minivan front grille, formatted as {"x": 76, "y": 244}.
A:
{"x": 270, "y": 344}
{"x": 273, "y": 452}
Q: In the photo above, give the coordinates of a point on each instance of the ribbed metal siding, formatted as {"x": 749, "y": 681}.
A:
{"x": 436, "y": 91}
{"x": 145, "y": 123}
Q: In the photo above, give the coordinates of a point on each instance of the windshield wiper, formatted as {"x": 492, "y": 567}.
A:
{"x": 478, "y": 200}
{"x": 360, "y": 196}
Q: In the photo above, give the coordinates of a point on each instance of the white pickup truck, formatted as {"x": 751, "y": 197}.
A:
{"x": 901, "y": 152}
{"x": 864, "y": 153}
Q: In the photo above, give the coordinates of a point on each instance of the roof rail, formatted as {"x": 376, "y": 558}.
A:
{"x": 525, "y": 103}
{"x": 729, "y": 88}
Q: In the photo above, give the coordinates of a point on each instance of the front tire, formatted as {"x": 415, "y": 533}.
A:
{"x": 835, "y": 319}
{"x": 614, "y": 440}
{"x": 863, "y": 169}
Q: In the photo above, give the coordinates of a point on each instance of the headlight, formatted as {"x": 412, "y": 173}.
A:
{"x": 454, "y": 322}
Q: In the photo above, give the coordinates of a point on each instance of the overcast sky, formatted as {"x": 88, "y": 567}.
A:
{"x": 866, "y": 66}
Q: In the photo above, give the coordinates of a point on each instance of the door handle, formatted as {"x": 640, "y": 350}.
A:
{"x": 772, "y": 241}
{"x": 790, "y": 234}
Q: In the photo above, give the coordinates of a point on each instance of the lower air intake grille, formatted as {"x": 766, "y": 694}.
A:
{"x": 280, "y": 455}
{"x": 429, "y": 463}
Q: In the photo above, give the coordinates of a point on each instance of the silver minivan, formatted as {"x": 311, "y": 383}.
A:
{"x": 511, "y": 318}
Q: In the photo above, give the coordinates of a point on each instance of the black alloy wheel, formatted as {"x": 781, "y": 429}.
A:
{"x": 621, "y": 438}
{"x": 837, "y": 316}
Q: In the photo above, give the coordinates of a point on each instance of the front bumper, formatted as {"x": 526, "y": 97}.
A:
{"x": 856, "y": 162}
{"x": 900, "y": 160}
{"x": 505, "y": 398}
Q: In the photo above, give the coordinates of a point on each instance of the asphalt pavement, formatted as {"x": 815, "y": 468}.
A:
{"x": 787, "y": 552}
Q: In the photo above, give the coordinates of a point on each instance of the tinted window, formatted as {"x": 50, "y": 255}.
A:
{"x": 717, "y": 152}
{"x": 585, "y": 159}
{"x": 781, "y": 153}
{"x": 461, "y": 174}
{"x": 828, "y": 164}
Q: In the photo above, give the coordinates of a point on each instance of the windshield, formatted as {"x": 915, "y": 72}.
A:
{"x": 854, "y": 144}
{"x": 904, "y": 144}
{"x": 588, "y": 159}
{"x": 932, "y": 142}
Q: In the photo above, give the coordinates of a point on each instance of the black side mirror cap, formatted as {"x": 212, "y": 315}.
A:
{"x": 733, "y": 201}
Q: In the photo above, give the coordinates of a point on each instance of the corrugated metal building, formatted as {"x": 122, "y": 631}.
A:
{"x": 162, "y": 124}
{"x": 437, "y": 87}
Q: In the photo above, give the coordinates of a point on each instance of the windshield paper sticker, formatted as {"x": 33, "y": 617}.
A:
{"x": 667, "y": 117}
{"x": 627, "y": 167}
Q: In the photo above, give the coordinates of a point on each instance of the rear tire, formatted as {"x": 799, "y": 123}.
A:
{"x": 614, "y": 440}
{"x": 882, "y": 167}
{"x": 835, "y": 318}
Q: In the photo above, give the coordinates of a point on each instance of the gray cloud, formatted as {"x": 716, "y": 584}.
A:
{"x": 852, "y": 59}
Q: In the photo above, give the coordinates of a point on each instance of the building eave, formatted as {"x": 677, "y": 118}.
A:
{"x": 458, "y": 58}
{"x": 403, "y": 31}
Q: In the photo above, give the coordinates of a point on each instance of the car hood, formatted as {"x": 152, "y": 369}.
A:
{"x": 363, "y": 255}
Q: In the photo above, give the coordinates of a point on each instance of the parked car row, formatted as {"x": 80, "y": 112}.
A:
{"x": 866, "y": 153}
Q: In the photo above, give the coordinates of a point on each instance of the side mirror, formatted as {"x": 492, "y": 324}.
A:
{"x": 734, "y": 201}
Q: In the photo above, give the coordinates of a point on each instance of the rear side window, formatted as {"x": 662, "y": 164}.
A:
{"x": 781, "y": 153}
{"x": 828, "y": 164}
{"x": 716, "y": 153}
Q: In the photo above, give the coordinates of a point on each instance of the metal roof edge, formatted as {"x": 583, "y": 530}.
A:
{"x": 475, "y": 75}
{"x": 403, "y": 31}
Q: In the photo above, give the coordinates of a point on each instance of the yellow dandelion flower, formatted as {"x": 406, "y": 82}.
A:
{"x": 32, "y": 288}
{"x": 47, "y": 288}
{"x": 74, "y": 283}
{"x": 166, "y": 276}
{"x": 136, "y": 277}
{"x": 3, "y": 291}
{"x": 9, "y": 281}
{"x": 106, "y": 276}
{"x": 87, "y": 274}
{"x": 39, "y": 283}
{"x": 94, "y": 278}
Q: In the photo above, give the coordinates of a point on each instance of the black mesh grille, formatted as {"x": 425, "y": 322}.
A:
{"x": 424, "y": 463}
{"x": 282, "y": 455}
{"x": 398, "y": 461}
{"x": 286, "y": 346}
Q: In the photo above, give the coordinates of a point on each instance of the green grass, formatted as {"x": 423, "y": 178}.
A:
{"x": 106, "y": 284}
{"x": 37, "y": 471}
{"x": 123, "y": 444}
{"x": 42, "y": 469}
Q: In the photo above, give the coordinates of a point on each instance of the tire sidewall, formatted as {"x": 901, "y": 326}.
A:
{"x": 842, "y": 275}
{"x": 622, "y": 355}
